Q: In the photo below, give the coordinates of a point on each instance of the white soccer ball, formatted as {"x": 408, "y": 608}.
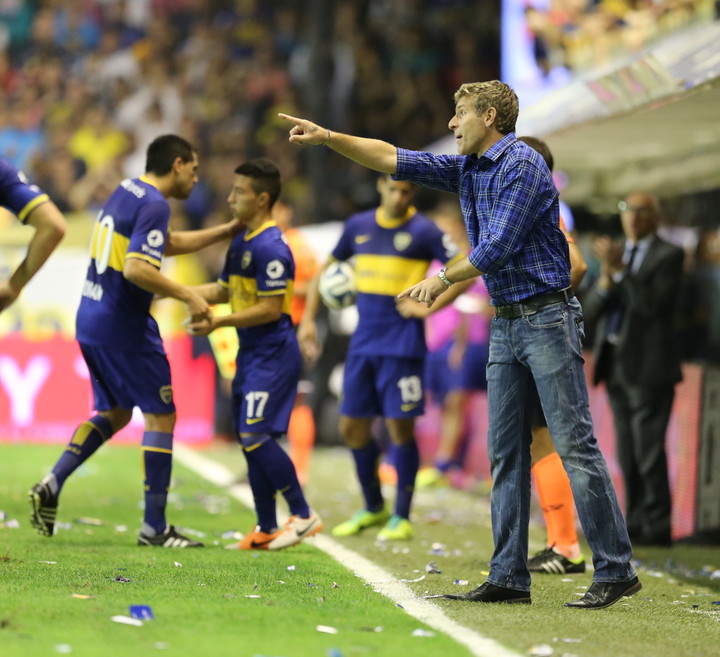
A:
{"x": 337, "y": 285}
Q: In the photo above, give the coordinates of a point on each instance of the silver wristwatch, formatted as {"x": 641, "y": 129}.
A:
{"x": 443, "y": 277}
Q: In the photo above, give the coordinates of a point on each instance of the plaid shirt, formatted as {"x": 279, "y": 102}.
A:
{"x": 510, "y": 205}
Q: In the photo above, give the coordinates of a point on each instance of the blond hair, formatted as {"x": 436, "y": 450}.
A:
{"x": 492, "y": 93}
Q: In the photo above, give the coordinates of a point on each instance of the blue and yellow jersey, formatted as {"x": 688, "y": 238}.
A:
{"x": 390, "y": 255}
{"x": 16, "y": 193}
{"x": 260, "y": 264}
{"x": 113, "y": 311}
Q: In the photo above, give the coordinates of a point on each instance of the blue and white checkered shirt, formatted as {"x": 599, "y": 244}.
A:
{"x": 510, "y": 205}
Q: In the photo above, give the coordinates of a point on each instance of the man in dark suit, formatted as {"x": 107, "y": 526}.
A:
{"x": 633, "y": 307}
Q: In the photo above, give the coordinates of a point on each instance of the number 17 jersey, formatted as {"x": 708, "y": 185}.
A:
{"x": 113, "y": 311}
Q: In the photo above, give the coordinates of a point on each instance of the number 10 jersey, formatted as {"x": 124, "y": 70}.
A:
{"x": 113, "y": 311}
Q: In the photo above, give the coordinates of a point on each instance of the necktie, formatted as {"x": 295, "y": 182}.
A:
{"x": 616, "y": 316}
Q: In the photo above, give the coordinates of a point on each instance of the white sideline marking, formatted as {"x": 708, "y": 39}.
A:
{"x": 381, "y": 580}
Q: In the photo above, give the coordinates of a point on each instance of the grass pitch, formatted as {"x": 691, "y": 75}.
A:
{"x": 206, "y": 601}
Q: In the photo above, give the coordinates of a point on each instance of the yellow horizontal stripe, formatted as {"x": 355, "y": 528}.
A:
{"x": 244, "y": 293}
{"x": 32, "y": 205}
{"x": 118, "y": 247}
{"x": 143, "y": 256}
{"x": 388, "y": 275}
{"x": 156, "y": 449}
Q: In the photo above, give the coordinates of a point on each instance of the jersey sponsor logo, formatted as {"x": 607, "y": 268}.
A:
{"x": 361, "y": 239}
{"x": 151, "y": 252}
{"x": 246, "y": 259}
{"x": 254, "y": 420}
{"x": 275, "y": 269}
{"x": 282, "y": 283}
{"x": 92, "y": 291}
{"x": 402, "y": 240}
{"x": 155, "y": 238}
{"x": 166, "y": 394}
{"x": 408, "y": 407}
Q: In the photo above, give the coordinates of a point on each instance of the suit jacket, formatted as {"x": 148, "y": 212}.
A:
{"x": 647, "y": 350}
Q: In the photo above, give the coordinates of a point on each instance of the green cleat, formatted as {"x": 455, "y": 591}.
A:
{"x": 396, "y": 529}
{"x": 431, "y": 478}
{"x": 361, "y": 520}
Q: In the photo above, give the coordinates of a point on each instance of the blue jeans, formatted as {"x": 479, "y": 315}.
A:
{"x": 546, "y": 347}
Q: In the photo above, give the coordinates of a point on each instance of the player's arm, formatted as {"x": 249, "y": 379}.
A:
{"x": 49, "y": 225}
{"x": 371, "y": 153}
{"x": 180, "y": 242}
{"x": 307, "y": 328}
{"x": 267, "y": 309}
{"x": 149, "y": 278}
{"x": 578, "y": 266}
{"x": 212, "y": 292}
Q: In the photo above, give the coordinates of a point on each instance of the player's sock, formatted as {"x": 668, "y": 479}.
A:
{"x": 85, "y": 441}
{"x": 263, "y": 494}
{"x": 301, "y": 438}
{"x": 280, "y": 470}
{"x": 556, "y": 500}
{"x": 407, "y": 462}
{"x": 157, "y": 462}
{"x": 367, "y": 461}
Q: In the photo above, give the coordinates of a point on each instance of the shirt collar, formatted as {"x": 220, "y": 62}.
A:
{"x": 641, "y": 245}
{"x": 499, "y": 147}
{"x": 387, "y": 222}
{"x": 265, "y": 225}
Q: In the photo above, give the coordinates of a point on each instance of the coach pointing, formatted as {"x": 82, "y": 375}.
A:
{"x": 510, "y": 206}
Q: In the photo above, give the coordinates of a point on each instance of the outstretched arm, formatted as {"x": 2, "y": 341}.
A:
{"x": 49, "y": 225}
{"x": 371, "y": 153}
{"x": 189, "y": 241}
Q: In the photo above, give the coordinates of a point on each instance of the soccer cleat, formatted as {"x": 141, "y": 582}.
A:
{"x": 361, "y": 520}
{"x": 551, "y": 561}
{"x": 396, "y": 529}
{"x": 44, "y": 508}
{"x": 170, "y": 538}
{"x": 296, "y": 529}
{"x": 254, "y": 540}
{"x": 431, "y": 478}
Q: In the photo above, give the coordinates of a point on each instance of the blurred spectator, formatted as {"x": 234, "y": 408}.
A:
{"x": 97, "y": 142}
{"x": 637, "y": 355}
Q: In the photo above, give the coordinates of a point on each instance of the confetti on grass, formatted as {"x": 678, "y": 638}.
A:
{"x": 126, "y": 620}
{"x": 326, "y": 629}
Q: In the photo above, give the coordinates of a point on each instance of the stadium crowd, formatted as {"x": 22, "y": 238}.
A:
{"x": 86, "y": 85}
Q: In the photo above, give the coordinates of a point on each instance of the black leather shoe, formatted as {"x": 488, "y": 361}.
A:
{"x": 488, "y": 592}
{"x": 604, "y": 594}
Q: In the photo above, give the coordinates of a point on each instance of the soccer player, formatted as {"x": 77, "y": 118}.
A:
{"x": 257, "y": 280}
{"x": 119, "y": 339}
{"x": 34, "y": 208}
{"x": 392, "y": 246}
{"x": 510, "y": 205}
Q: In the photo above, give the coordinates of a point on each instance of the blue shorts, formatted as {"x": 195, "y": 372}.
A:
{"x": 383, "y": 385}
{"x": 264, "y": 387}
{"x": 442, "y": 379}
{"x": 126, "y": 379}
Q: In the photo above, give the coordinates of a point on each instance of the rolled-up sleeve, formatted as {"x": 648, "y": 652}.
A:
{"x": 436, "y": 171}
